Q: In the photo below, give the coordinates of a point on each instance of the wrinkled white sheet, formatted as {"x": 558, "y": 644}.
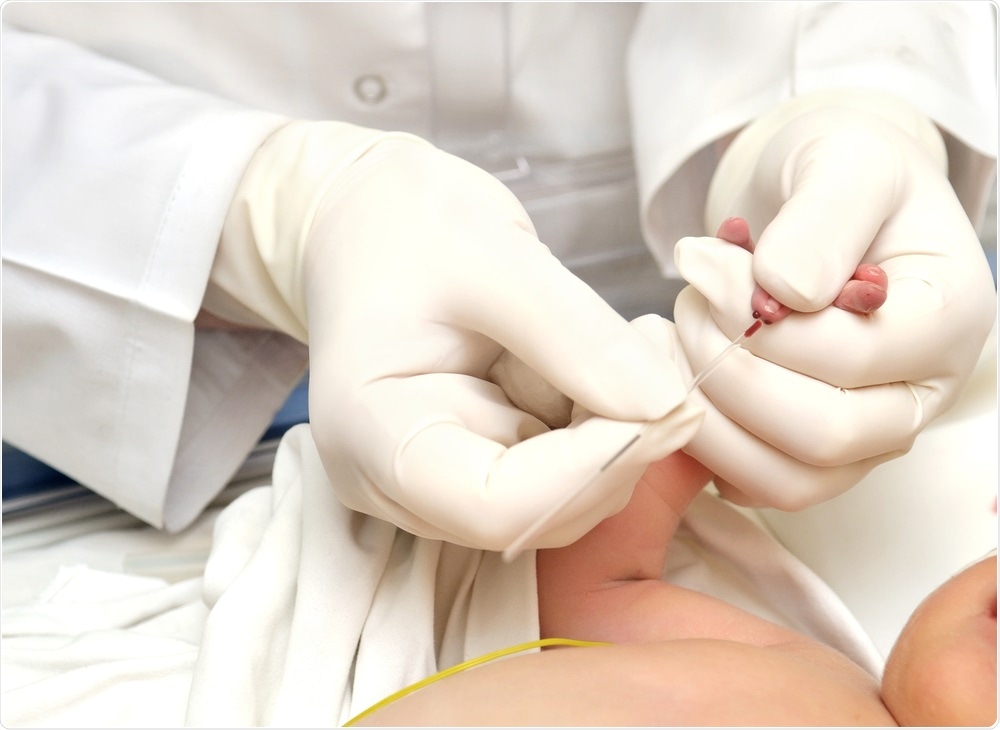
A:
{"x": 305, "y": 613}
{"x": 319, "y": 612}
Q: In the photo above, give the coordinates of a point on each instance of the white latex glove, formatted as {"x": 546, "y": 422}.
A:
{"x": 819, "y": 399}
{"x": 409, "y": 271}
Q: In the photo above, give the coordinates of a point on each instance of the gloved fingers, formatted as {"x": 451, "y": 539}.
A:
{"x": 750, "y": 472}
{"x": 839, "y": 183}
{"x": 930, "y": 241}
{"x": 722, "y": 274}
{"x": 464, "y": 256}
{"x": 660, "y": 333}
{"x": 371, "y": 422}
{"x": 528, "y": 302}
{"x": 860, "y": 193}
{"x": 475, "y": 264}
{"x": 864, "y": 293}
{"x": 516, "y": 295}
{"x": 529, "y": 391}
{"x": 837, "y": 346}
{"x": 914, "y": 337}
{"x": 813, "y": 421}
{"x": 449, "y": 456}
{"x": 469, "y": 485}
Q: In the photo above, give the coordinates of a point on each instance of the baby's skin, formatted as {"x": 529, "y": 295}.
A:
{"x": 716, "y": 664}
{"x": 723, "y": 666}
{"x": 865, "y": 292}
{"x": 678, "y": 657}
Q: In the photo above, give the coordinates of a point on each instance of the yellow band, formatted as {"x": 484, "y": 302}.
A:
{"x": 517, "y": 648}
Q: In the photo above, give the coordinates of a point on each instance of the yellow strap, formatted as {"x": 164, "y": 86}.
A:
{"x": 537, "y": 644}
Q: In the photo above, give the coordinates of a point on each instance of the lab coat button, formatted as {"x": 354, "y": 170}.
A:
{"x": 370, "y": 88}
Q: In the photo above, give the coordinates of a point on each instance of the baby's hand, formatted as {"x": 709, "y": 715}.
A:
{"x": 864, "y": 293}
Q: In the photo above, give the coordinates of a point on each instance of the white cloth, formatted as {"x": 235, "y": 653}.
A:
{"x": 316, "y": 612}
{"x": 129, "y": 146}
{"x": 352, "y": 608}
{"x": 102, "y": 617}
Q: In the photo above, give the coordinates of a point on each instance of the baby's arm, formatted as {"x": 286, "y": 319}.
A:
{"x": 608, "y": 585}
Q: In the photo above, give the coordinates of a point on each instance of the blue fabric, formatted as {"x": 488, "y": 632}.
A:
{"x": 293, "y": 412}
{"x": 23, "y": 474}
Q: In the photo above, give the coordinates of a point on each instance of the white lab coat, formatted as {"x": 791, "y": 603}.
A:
{"x": 127, "y": 126}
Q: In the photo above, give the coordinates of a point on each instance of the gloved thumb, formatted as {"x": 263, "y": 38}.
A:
{"x": 722, "y": 273}
{"x": 835, "y": 196}
{"x": 534, "y": 394}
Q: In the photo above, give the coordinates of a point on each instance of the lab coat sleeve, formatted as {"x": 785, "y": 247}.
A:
{"x": 115, "y": 187}
{"x": 700, "y": 71}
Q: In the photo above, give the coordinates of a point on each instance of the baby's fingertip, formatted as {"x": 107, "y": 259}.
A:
{"x": 872, "y": 273}
{"x": 860, "y": 297}
{"x": 736, "y": 230}
{"x": 766, "y": 308}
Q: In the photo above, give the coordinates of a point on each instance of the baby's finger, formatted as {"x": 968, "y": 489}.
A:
{"x": 865, "y": 292}
{"x": 765, "y": 307}
{"x": 736, "y": 230}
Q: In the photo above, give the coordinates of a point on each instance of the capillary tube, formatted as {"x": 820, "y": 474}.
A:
{"x": 536, "y": 528}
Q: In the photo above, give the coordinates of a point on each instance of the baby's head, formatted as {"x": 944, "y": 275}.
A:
{"x": 943, "y": 668}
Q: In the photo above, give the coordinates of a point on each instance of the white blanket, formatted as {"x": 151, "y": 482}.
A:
{"x": 305, "y": 613}
{"x": 319, "y": 612}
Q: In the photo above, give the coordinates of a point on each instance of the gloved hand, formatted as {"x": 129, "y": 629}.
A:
{"x": 409, "y": 272}
{"x": 819, "y": 399}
